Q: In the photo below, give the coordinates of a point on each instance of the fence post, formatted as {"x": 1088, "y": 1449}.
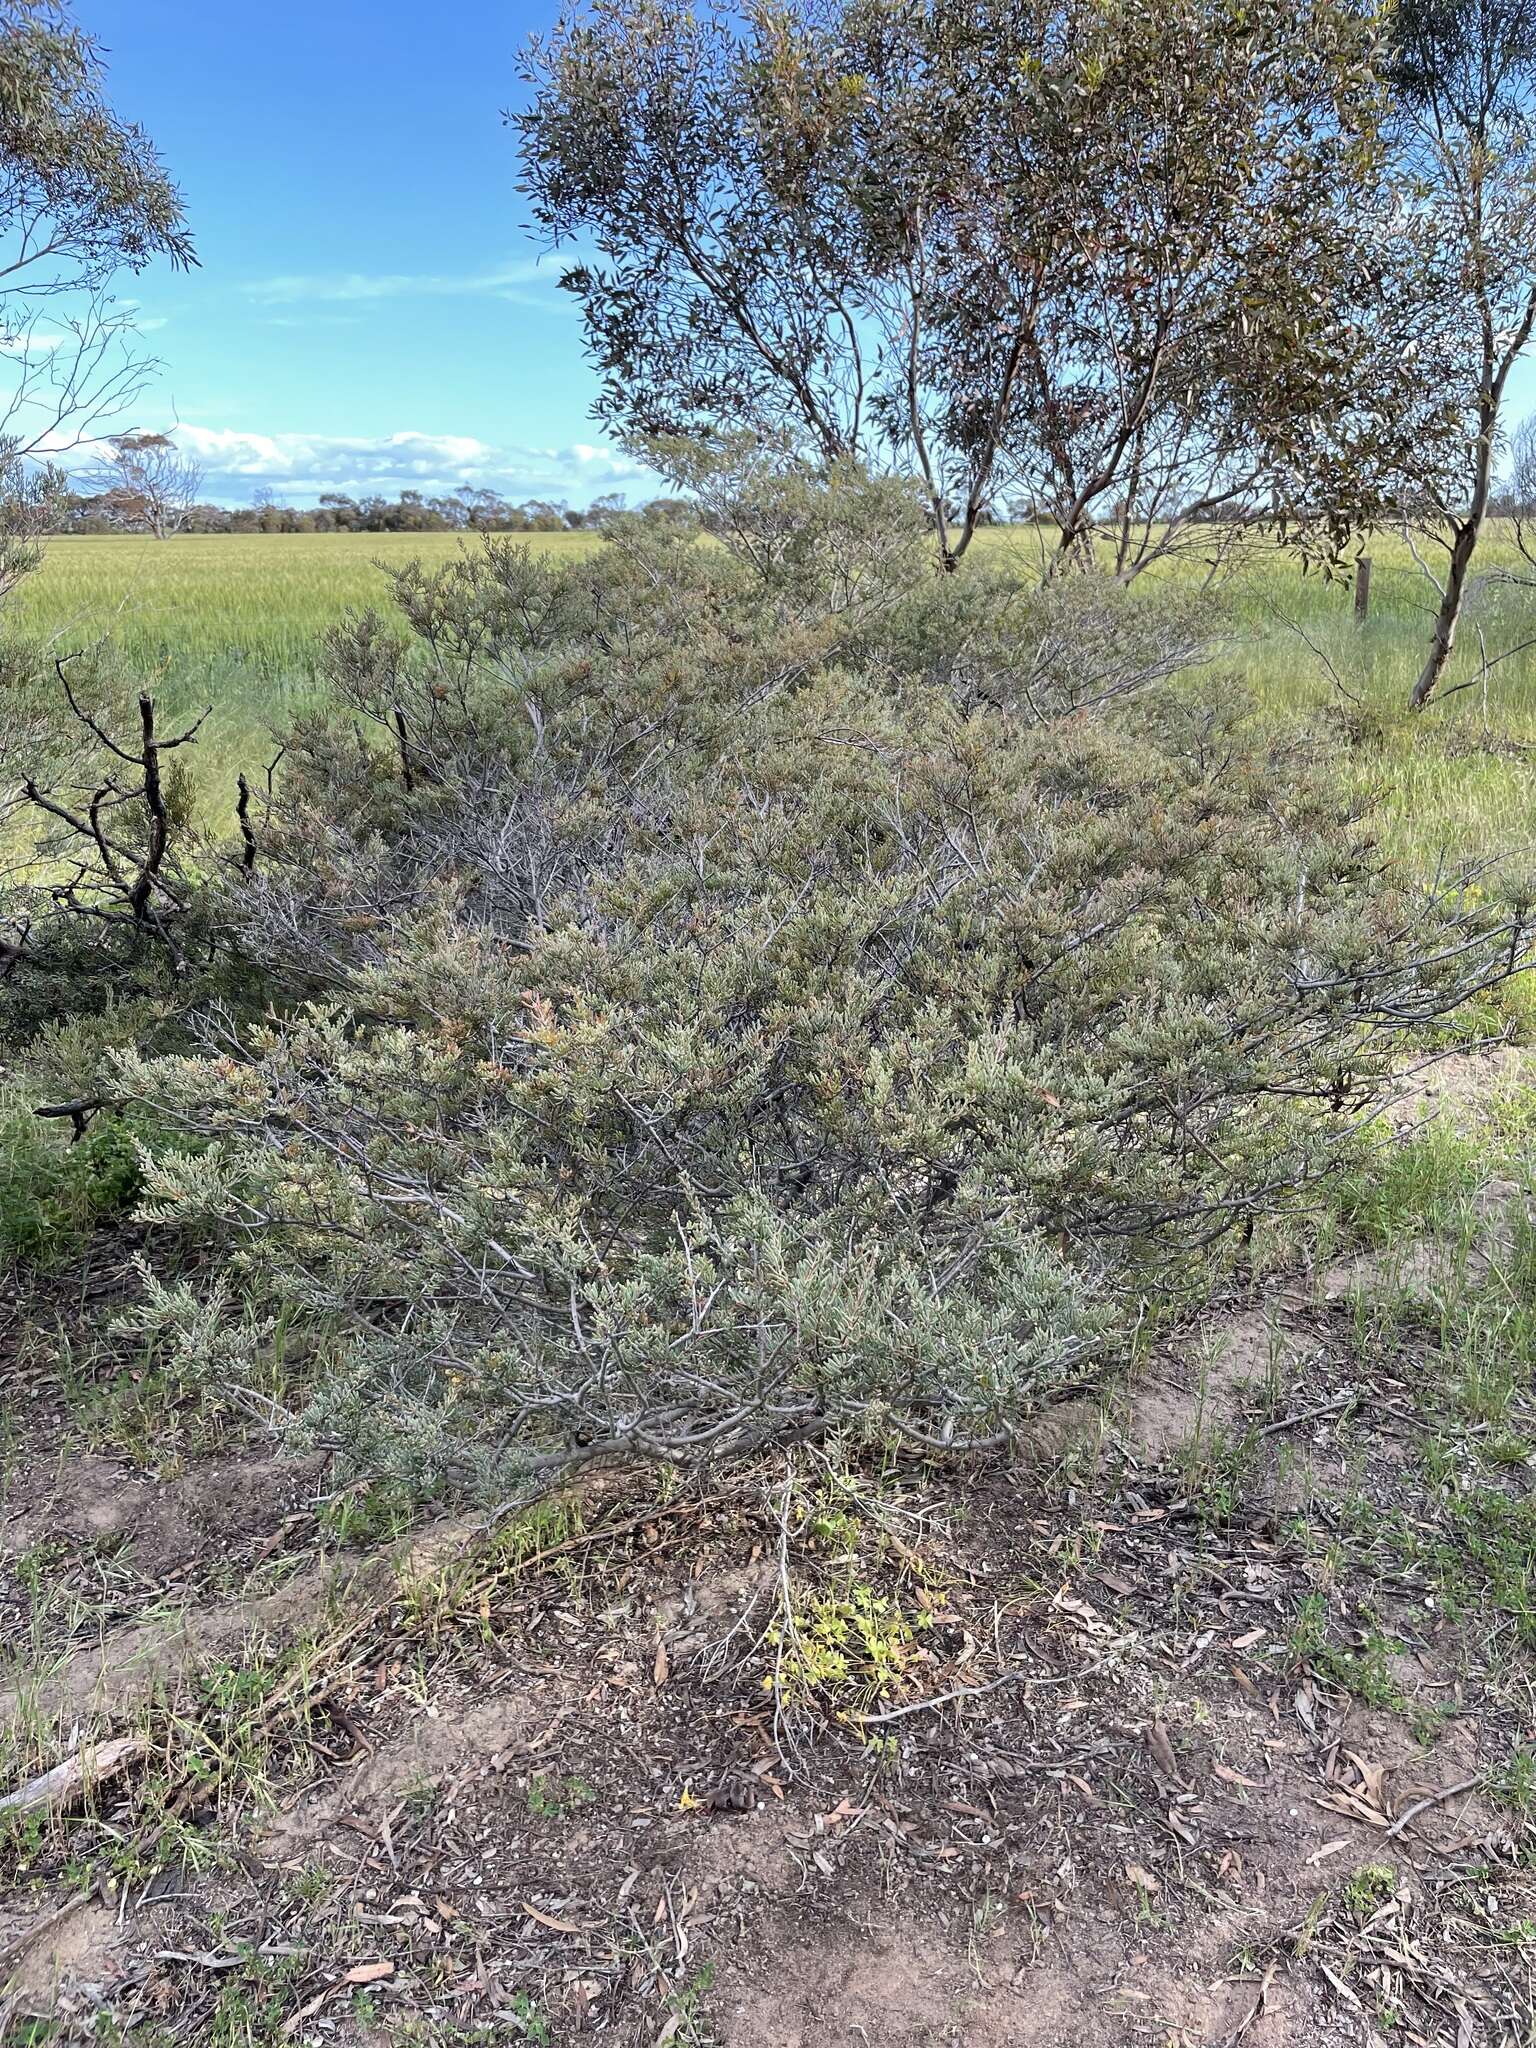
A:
{"x": 1362, "y": 589}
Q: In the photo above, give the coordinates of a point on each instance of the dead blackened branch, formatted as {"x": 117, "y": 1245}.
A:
{"x": 247, "y": 832}
{"x": 13, "y": 949}
{"x": 79, "y": 1112}
{"x": 407, "y": 776}
{"x": 116, "y": 858}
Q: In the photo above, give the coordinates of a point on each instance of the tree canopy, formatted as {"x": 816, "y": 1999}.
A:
{"x": 83, "y": 196}
{"x": 1110, "y": 260}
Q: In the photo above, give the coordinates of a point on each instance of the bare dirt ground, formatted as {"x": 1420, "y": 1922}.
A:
{"x": 1203, "y": 1723}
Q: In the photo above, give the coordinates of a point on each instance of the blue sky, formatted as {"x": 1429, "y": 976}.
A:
{"x": 369, "y": 312}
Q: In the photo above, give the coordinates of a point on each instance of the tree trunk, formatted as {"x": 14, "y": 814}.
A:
{"x": 1442, "y": 639}
{"x": 1468, "y": 531}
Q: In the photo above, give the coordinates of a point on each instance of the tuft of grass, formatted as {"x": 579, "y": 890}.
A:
{"x": 1415, "y": 1186}
{"x": 464, "y": 1589}
{"x": 373, "y": 1511}
{"x": 54, "y": 1194}
{"x": 549, "y": 1796}
{"x": 1514, "y": 1786}
{"x": 1217, "y": 1467}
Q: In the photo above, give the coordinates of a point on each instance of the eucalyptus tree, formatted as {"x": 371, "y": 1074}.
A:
{"x": 1464, "y": 76}
{"x": 1102, "y": 256}
{"x": 83, "y": 197}
{"x": 145, "y": 483}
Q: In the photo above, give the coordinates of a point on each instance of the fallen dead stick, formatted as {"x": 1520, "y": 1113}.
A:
{"x": 1259, "y": 2007}
{"x": 965, "y": 1692}
{"x": 1434, "y": 1799}
{"x": 1334, "y": 1407}
{"x": 232, "y": 1959}
{"x": 69, "y": 1780}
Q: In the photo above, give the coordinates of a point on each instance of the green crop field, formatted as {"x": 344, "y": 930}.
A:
{"x": 239, "y": 621}
{"x": 255, "y": 601}
{"x": 233, "y": 620}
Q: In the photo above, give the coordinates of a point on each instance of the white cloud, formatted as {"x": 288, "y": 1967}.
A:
{"x": 357, "y": 286}
{"x": 299, "y": 467}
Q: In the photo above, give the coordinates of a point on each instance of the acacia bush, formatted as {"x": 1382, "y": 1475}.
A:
{"x": 719, "y": 991}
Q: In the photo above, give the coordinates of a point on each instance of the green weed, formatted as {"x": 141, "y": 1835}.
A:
{"x": 1361, "y": 1667}
{"x": 1369, "y": 1889}
{"x": 1514, "y": 1785}
{"x": 549, "y": 1796}
{"x": 53, "y": 1194}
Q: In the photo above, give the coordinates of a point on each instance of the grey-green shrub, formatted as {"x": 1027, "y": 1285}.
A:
{"x": 723, "y": 1000}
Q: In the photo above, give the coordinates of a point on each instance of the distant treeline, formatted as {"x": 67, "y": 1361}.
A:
{"x": 115, "y": 512}
{"x": 465, "y": 511}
